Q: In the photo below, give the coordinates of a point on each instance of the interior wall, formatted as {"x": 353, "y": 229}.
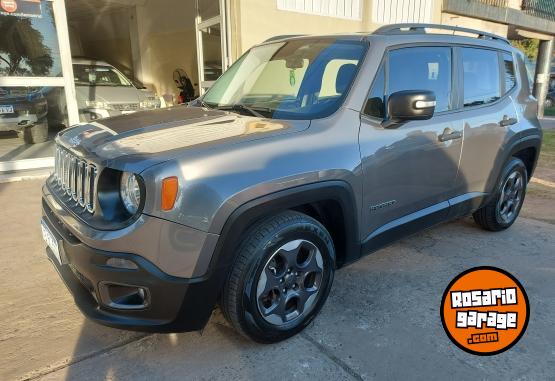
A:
{"x": 104, "y": 36}
{"x": 166, "y": 41}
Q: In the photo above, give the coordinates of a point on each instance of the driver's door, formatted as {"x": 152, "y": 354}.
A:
{"x": 409, "y": 172}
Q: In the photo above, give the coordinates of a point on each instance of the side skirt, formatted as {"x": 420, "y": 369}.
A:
{"x": 425, "y": 218}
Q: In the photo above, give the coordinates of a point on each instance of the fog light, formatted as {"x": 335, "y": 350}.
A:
{"x": 121, "y": 263}
{"x": 123, "y": 296}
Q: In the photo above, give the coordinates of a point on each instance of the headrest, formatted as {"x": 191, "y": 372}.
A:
{"x": 345, "y": 75}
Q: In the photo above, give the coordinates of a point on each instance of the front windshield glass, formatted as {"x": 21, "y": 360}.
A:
{"x": 306, "y": 78}
{"x": 98, "y": 75}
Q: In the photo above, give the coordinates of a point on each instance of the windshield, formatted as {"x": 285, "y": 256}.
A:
{"x": 98, "y": 75}
{"x": 297, "y": 79}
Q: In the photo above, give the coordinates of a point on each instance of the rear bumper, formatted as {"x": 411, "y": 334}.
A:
{"x": 174, "y": 304}
{"x": 19, "y": 122}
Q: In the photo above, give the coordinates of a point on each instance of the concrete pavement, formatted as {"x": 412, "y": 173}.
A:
{"x": 381, "y": 321}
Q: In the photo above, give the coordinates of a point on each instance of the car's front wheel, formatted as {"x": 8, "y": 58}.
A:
{"x": 281, "y": 277}
{"x": 503, "y": 209}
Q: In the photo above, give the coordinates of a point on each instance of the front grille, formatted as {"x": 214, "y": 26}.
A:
{"x": 125, "y": 106}
{"x": 76, "y": 177}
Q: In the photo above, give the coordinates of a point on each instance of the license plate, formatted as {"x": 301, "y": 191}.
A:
{"x": 50, "y": 240}
{"x": 127, "y": 112}
{"x": 6, "y": 109}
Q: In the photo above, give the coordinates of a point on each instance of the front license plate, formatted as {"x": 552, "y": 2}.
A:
{"x": 50, "y": 240}
{"x": 6, "y": 109}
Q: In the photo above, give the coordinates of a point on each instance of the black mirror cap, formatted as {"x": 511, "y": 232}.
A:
{"x": 410, "y": 105}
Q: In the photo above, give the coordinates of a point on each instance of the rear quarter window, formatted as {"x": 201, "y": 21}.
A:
{"x": 510, "y": 78}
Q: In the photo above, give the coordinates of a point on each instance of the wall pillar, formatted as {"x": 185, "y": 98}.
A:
{"x": 543, "y": 70}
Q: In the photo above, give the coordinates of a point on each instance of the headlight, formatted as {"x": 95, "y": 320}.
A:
{"x": 98, "y": 104}
{"x": 130, "y": 192}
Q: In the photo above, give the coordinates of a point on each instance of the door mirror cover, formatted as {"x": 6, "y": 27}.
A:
{"x": 408, "y": 105}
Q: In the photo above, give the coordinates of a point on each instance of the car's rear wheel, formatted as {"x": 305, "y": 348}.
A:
{"x": 37, "y": 133}
{"x": 281, "y": 277}
{"x": 502, "y": 211}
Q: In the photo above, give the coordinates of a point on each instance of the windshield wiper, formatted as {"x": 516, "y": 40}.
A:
{"x": 254, "y": 111}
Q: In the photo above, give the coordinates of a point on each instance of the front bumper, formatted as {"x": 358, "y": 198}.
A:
{"x": 174, "y": 304}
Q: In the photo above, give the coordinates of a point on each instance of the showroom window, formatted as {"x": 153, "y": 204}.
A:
{"x": 35, "y": 82}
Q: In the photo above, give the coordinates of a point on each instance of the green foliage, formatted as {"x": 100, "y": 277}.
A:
{"x": 528, "y": 46}
{"x": 22, "y": 48}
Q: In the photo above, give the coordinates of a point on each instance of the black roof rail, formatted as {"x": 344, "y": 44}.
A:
{"x": 421, "y": 29}
{"x": 281, "y": 37}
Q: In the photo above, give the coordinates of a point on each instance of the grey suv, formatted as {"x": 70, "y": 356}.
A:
{"x": 307, "y": 154}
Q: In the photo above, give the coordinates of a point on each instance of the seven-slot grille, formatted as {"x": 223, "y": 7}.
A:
{"x": 76, "y": 177}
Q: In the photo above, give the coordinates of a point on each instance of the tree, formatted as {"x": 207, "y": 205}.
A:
{"x": 22, "y": 48}
{"x": 528, "y": 46}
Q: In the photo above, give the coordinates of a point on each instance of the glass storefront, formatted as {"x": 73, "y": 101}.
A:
{"x": 32, "y": 82}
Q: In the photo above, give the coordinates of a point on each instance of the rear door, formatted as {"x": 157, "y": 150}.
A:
{"x": 409, "y": 172}
{"x": 489, "y": 114}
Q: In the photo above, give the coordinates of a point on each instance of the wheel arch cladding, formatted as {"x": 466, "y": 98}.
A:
{"x": 312, "y": 199}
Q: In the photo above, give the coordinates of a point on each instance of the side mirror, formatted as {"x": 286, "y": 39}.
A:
{"x": 408, "y": 105}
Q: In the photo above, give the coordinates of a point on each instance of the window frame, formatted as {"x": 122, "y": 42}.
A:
{"x": 502, "y": 71}
{"x": 65, "y": 82}
{"x": 457, "y": 77}
{"x": 383, "y": 64}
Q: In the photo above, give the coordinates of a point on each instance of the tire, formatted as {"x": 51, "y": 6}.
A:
{"x": 37, "y": 133}
{"x": 499, "y": 214}
{"x": 254, "y": 300}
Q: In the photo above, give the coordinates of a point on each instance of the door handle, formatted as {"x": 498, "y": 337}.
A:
{"x": 506, "y": 121}
{"x": 449, "y": 134}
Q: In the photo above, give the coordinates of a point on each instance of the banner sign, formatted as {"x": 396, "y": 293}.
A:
{"x": 21, "y": 8}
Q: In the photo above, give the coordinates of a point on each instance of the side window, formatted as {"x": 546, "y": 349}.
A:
{"x": 481, "y": 76}
{"x": 422, "y": 68}
{"x": 375, "y": 105}
{"x": 510, "y": 80}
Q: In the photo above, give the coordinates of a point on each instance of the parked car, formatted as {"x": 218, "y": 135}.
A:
{"x": 304, "y": 156}
{"x": 24, "y": 110}
{"x": 102, "y": 91}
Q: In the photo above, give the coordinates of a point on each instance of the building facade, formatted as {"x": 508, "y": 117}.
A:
{"x": 154, "y": 43}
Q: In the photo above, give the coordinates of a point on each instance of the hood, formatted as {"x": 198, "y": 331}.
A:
{"x": 137, "y": 141}
{"x": 109, "y": 94}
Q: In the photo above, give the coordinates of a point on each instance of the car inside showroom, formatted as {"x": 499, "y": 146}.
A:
{"x": 79, "y": 61}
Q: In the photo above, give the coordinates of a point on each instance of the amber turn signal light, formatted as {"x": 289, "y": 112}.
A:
{"x": 170, "y": 186}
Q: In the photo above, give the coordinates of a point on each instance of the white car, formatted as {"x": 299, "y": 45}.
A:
{"x": 102, "y": 91}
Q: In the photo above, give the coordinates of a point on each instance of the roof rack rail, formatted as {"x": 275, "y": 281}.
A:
{"x": 421, "y": 29}
{"x": 281, "y": 37}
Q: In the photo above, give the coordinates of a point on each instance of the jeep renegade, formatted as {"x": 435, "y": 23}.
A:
{"x": 307, "y": 154}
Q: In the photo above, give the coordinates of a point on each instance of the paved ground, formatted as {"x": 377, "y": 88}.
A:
{"x": 13, "y": 148}
{"x": 548, "y": 122}
{"x": 381, "y": 321}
